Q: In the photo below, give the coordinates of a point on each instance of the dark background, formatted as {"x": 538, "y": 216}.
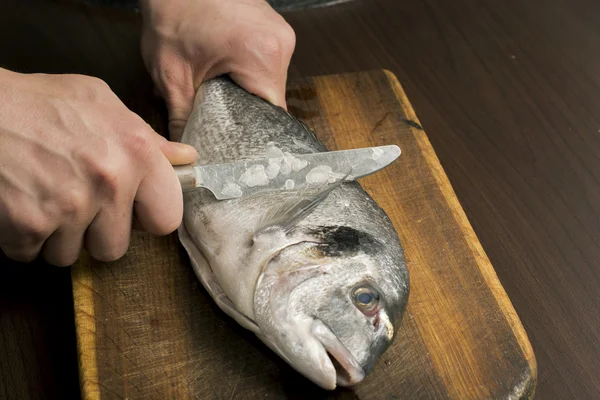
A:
{"x": 508, "y": 92}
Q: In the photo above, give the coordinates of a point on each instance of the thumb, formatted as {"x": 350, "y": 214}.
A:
{"x": 179, "y": 104}
{"x": 177, "y": 153}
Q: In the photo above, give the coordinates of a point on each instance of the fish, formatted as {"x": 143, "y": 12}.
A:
{"x": 318, "y": 275}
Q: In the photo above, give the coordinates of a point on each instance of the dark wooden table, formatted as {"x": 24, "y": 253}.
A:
{"x": 509, "y": 95}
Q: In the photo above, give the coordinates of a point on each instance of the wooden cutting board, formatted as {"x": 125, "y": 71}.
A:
{"x": 146, "y": 328}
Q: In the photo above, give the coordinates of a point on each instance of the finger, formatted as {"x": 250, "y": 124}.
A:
{"x": 177, "y": 153}
{"x": 107, "y": 237}
{"x": 159, "y": 200}
{"x": 23, "y": 237}
{"x": 22, "y": 254}
{"x": 63, "y": 247}
{"x": 265, "y": 85}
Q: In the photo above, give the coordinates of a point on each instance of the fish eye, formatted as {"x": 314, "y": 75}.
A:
{"x": 365, "y": 298}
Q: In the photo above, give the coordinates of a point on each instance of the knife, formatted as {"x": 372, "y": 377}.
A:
{"x": 285, "y": 171}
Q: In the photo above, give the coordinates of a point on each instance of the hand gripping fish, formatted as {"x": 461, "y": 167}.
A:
{"x": 318, "y": 275}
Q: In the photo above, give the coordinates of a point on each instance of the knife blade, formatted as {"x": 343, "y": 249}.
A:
{"x": 286, "y": 172}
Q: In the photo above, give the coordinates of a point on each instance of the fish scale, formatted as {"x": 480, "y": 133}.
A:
{"x": 237, "y": 135}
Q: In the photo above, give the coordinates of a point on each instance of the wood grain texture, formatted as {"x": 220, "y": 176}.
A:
{"x": 146, "y": 327}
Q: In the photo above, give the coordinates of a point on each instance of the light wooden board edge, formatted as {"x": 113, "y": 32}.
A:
{"x": 85, "y": 327}
{"x": 483, "y": 262}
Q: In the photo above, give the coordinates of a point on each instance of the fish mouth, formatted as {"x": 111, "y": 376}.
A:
{"x": 348, "y": 371}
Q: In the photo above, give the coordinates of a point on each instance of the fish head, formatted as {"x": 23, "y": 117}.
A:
{"x": 330, "y": 313}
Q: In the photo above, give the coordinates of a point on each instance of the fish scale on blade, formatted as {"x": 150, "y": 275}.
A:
{"x": 319, "y": 276}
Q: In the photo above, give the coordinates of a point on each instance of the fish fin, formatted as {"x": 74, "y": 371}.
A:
{"x": 287, "y": 214}
{"x": 207, "y": 278}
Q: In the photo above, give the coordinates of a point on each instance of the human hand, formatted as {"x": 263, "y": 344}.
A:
{"x": 186, "y": 42}
{"x": 77, "y": 167}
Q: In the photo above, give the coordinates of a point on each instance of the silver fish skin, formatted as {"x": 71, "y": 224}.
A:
{"x": 319, "y": 276}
